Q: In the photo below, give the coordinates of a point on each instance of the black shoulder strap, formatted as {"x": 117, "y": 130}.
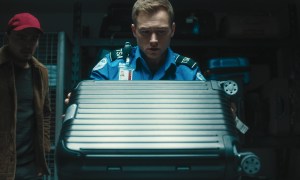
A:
{"x": 116, "y": 54}
{"x": 186, "y": 61}
{"x": 122, "y": 53}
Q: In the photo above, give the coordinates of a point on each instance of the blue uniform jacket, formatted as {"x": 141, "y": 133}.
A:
{"x": 176, "y": 67}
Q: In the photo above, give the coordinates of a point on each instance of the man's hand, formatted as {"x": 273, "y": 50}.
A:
{"x": 233, "y": 109}
{"x": 67, "y": 100}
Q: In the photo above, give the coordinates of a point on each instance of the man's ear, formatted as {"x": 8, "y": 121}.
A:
{"x": 133, "y": 29}
{"x": 173, "y": 29}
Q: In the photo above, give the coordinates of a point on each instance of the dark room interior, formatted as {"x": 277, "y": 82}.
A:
{"x": 262, "y": 34}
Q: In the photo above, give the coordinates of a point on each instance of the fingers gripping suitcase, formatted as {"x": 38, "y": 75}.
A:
{"x": 150, "y": 130}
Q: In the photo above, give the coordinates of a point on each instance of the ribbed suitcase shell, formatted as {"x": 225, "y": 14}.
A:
{"x": 148, "y": 130}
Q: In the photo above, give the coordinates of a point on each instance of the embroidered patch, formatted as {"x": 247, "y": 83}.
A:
{"x": 200, "y": 76}
{"x": 186, "y": 61}
{"x": 101, "y": 64}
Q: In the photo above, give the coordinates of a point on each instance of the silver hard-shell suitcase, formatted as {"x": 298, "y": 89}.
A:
{"x": 150, "y": 130}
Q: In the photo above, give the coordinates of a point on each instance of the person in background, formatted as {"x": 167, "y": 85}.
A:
{"x": 24, "y": 105}
{"x": 152, "y": 59}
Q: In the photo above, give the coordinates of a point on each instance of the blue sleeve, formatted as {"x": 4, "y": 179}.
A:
{"x": 96, "y": 76}
{"x": 194, "y": 74}
{"x": 100, "y": 71}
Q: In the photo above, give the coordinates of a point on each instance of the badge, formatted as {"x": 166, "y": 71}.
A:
{"x": 125, "y": 72}
{"x": 101, "y": 64}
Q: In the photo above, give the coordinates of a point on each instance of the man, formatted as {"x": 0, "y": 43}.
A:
{"x": 152, "y": 59}
{"x": 24, "y": 104}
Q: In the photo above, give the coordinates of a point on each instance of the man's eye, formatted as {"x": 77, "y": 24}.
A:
{"x": 161, "y": 32}
{"x": 145, "y": 32}
{"x": 27, "y": 37}
{"x": 34, "y": 38}
{"x": 21, "y": 37}
{"x": 158, "y": 32}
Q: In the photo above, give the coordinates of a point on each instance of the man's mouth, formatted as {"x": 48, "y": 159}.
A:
{"x": 26, "y": 52}
{"x": 153, "y": 49}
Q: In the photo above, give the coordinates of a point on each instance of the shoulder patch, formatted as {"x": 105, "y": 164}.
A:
{"x": 101, "y": 64}
{"x": 116, "y": 54}
{"x": 186, "y": 61}
{"x": 200, "y": 76}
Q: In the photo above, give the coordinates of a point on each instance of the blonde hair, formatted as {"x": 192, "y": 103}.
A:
{"x": 150, "y": 7}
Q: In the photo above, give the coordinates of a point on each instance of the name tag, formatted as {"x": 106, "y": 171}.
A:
{"x": 125, "y": 72}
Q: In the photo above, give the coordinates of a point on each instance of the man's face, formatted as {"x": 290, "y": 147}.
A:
{"x": 23, "y": 43}
{"x": 153, "y": 33}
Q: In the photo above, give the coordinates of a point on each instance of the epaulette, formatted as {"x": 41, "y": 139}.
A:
{"x": 116, "y": 54}
{"x": 122, "y": 53}
{"x": 186, "y": 61}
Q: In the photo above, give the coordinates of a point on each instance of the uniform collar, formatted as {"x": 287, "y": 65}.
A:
{"x": 170, "y": 59}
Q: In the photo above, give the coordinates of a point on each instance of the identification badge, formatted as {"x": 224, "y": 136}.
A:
{"x": 125, "y": 72}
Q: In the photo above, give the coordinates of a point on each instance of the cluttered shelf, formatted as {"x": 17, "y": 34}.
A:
{"x": 192, "y": 42}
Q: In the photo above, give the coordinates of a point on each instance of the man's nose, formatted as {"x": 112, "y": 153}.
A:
{"x": 153, "y": 38}
{"x": 30, "y": 41}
